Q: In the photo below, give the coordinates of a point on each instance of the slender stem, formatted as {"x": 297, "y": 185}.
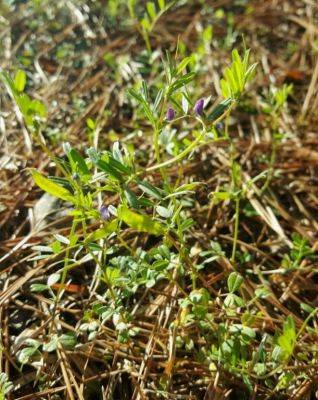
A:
{"x": 236, "y": 226}
{"x": 157, "y": 130}
{"x": 178, "y": 157}
{"x": 63, "y": 278}
{"x": 271, "y": 166}
{"x": 66, "y": 262}
{"x": 156, "y": 144}
{"x": 302, "y": 328}
{"x": 236, "y": 184}
{"x": 275, "y": 125}
{"x": 145, "y": 35}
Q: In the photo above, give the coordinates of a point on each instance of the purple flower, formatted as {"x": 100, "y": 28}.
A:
{"x": 170, "y": 114}
{"x": 198, "y": 107}
{"x": 219, "y": 126}
{"x": 104, "y": 213}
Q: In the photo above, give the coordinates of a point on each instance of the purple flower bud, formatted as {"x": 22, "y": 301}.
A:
{"x": 219, "y": 126}
{"x": 170, "y": 114}
{"x": 198, "y": 107}
{"x": 104, "y": 213}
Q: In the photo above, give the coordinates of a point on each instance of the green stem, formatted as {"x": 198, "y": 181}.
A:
{"x": 302, "y": 328}
{"x": 145, "y": 35}
{"x": 66, "y": 262}
{"x": 271, "y": 167}
{"x": 179, "y": 157}
{"x": 156, "y": 144}
{"x": 236, "y": 226}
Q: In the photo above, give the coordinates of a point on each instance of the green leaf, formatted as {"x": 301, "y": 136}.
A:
{"x": 237, "y": 75}
{"x": 38, "y": 108}
{"x": 62, "y": 239}
{"x": 248, "y": 332}
{"x": 50, "y": 187}
{"x": 135, "y": 95}
{"x": 79, "y": 161}
{"x": 56, "y": 247}
{"x": 102, "y": 232}
{"x": 38, "y": 287}
{"x": 131, "y": 197}
{"x": 104, "y": 166}
{"x": 25, "y": 354}
{"x": 234, "y": 282}
{"x": 51, "y": 345}
{"x": 259, "y": 368}
{"x": 158, "y": 100}
{"x": 90, "y": 123}
{"x": 53, "y": 279}
{"x": 289, "y": 325}
{"x": 182, "y": 81}
{"x": 221, "y": 196}
{"x": 220, "y": 109}
{"x": 229, "y": 300}
{"x": 20, "y": 80}
{"x": 225, "y": 88}
{"x": 144, "y": 104}
{"x": 111, "y": 275}
{"x": 68, "y": 340}
{"x": 113, "y": 162}
{"x": 161, "y": 4}
{"x": 250, "y": 72}
{"x": 131, "y": 7}
{"x": 262, "y": 292}
{"x": 187, "y": 224}
{"x": 246, "y": 59}
{"x": 151, "y": 10}
{"x": 145, "y": 23}
{"x": 306, "y": 307}
{"x": 277, "y": 354}
{"x": 228, "y": 74}
{"x": 140, "y": 222}
{"x": 144, "y": 90}
{"x": 149, "y": 189}
{"x": 183, "y": 64}
{"x": 200, "y": 296}
{"x": 287, "y": 339}
{"x": 164, "y": 212}
{"x": 5, "y": 386}
{"x": 207, "y": 34}
{"x": 236, "y": 58}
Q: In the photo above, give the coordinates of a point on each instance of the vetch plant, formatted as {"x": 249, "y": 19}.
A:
{"x": 300, "y": 251}
{"x": 164, "y": 253}
{"x": 235, "y": 78}
{"x": 5, "y": 386}
{"x": 276, "y": 104}
{"x": 133, "y": 220}
{"x": 117, "y": 173}
{"x": 153, "y": 11}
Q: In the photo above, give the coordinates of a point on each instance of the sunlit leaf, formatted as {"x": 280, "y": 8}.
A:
{"x": 140, "y": 222}
{"x": 50, "y": 187}
{"x": 234, "y": 282}
{"x": 20, "y": 80}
